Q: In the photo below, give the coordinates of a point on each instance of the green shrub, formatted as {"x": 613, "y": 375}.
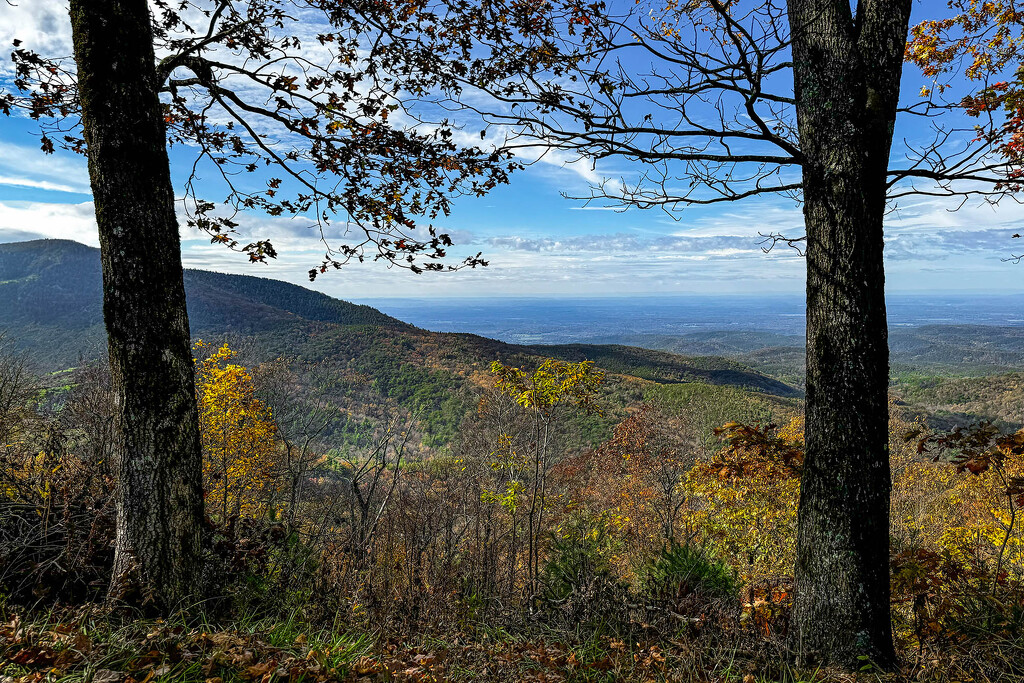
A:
{"x": 681, "y": 571}
{"x": 577, "y": 583}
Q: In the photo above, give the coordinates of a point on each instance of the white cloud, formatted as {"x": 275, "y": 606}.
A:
{"x": 921, "y": 214}
{"x": 26, "y": 166}
{"x": 42, "y": 25}
{"x": 35, "y": 184}
{"x": 26, "y": 220}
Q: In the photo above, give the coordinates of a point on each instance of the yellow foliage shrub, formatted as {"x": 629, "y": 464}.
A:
{"x": 743, "y": 501}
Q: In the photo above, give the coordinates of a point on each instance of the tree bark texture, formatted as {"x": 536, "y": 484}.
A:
{"x": 159, "y": 488}
{"x": 847, "y": 71}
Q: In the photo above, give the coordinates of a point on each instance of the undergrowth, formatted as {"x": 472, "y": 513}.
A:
{"x": 94, "y": 644}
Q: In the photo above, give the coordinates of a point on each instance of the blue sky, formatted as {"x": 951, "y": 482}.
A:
{"x": 538, "y": 243}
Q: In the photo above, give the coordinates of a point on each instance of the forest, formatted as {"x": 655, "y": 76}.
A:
{"x": 575, "y": 525}
{"x": 212, "y": 477}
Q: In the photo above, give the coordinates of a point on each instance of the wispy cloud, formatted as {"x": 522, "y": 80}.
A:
{"x": 26, "y": 166}
{"x": 644, "y": 246}
{"x": 594, "y": 263}
{"x": 36, "y": 184}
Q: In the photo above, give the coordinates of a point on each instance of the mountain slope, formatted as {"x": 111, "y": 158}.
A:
{"x": 52, "y": 295}
{"x": 52, "y": 302}
{"x": 361, "y": 361}
{"x": 52, "y": 309}
{"x": 50, "y": 281}
{"x": 218, "y": 301}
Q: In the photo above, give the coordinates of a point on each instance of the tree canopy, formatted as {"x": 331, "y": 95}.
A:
{"x": 699, "y": 94}
{"x": 292, "y": 108}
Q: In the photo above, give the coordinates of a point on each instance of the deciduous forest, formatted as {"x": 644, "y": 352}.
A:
{"x": 215, "y": 478}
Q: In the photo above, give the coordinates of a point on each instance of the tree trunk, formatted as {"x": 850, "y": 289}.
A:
{"x": 159, "y": 487}
{"x": 847, "y": 72}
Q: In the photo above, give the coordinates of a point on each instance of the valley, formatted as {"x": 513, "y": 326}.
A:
{"x": 953, "y": 373}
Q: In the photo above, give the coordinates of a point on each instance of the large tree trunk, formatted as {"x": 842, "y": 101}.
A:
{"x": 159, "y": 487}
{"x": 847, "y": 72}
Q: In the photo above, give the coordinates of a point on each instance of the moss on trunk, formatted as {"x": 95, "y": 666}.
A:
{"x": 159, "y": 494}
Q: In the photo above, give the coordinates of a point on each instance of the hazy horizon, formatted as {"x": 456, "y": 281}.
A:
{"x": 624, "y": 319}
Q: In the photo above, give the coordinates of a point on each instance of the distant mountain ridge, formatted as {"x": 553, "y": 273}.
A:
{"x": 60, "y": 280}
{"x": 52, "y": 307}
{"x": 52, "y": 302}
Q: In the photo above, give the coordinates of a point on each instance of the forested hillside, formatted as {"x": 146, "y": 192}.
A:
{"x": 53, "y": 311}
{"x": 52, "y": 291}
{"x": 214, "y": 478}
{"x": 600, "y": 494}
{"x": 948, "y": 350}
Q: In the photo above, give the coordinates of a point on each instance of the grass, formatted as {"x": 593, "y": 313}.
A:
{"x": 99, "y": 646}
